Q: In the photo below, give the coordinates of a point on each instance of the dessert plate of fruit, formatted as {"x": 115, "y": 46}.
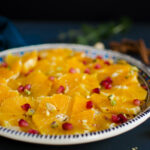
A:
{"x": 63, "y": 94}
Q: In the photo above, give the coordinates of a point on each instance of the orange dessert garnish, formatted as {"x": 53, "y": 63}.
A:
{"x": 60, "y": 91}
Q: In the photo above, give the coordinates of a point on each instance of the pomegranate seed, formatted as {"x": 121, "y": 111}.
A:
{"x": 4, "y": 64}
{"x": 106, "y": 62}
{"x": 61, "y": 89}
{"x": 97, "y": 66}
{"x": 26, "y": 106}
{"x": 23, "y": 123}
{"x": 32, "y": 131}
{"x": 136, "y": 102}
{"x": 96, "y": 90}
{"x": 72, "y": 70}
{"x": 115, "y": 119}
{"x": 51, "y": 78}
{"x": 39, "y": 58}
{"x": 118, "y": 118}
{"x": 144, "y": 86}
{"x": 108, "y": 79}
{"x": 104, "y": 83}
{"x": 84, "y": 62}
{"x": 28, "y": 72}
{"x": 67, "y": 126}
{"x": 89, "y": 104}
{"x": 21, "y": 88}
{"x": 87, "y": 70}
{"x": 108, "y": 86}
{"x": 99, "y": 57}
{"x": 122, "y": 118}
{"x": 27, "y": 87}
{"x": 107, "y": 83}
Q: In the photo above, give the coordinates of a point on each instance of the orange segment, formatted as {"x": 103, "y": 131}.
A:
{"x": 104, "y": 104}
{"x": 55, "y": 108}
{"x": 83, "y": 121}
{"x": 14, "y": 62}
{"x": 44, "y": 66}
{"x": 6, "y": 92}
{"x": 117, "y": 72}
{"x": 10, "y": 121}
{"x": 40, "y": 84}
{"x": 103, "y": 121}
{"x": 127, "y": 93}
{"x": 16, "y": 103}
{"x": 74, "y": 63}
{"x": 29, "y": 60}
{"x": 79, "y": 104}
{"x": 3, "y": 81}
{"x": 77, "y": 83}
{"x": 7, "y": 74}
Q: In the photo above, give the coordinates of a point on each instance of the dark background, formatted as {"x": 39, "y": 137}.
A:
{"x": 75, "y": 10}
{"x": 42, "y": 21}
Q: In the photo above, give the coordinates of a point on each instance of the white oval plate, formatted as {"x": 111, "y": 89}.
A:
{"x": 87, "y": 137}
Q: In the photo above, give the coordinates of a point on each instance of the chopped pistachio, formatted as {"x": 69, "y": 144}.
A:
{"x": 67, "y": 89}
{"x": 59, "y": 75}
{"x": 27, "y": 92}
{"x": 47, "y": 113}
{"x": 112, "y": 99}
{"x": 9, "y": 67}
{"x": 7, "y": 124}
{"x": 134, "y": 68}
{"x": 88, "y": 96}
{"x": 94, "y": 60}
{"x": 59, "y": 68}
{"x": 126, "y": 77}
{"x": 50, "y": 107}
{"x": 30, "y": 112}
{"x": 78, "y": 70}
{"x": 113, "y": 102}
{"x": 84, "y": 77}
{"x": 62, "y": 117}
{"x": 120, "y": 61}
{"x": 85, "y": 124}
{"x": 54, "y": 124}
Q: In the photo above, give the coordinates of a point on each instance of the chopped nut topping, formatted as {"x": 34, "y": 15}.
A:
{"x": 54, "y": 124}
{"x": 62, "y": 117}
{"x": 50, "y": 107}
{"x": 112, "y": 99}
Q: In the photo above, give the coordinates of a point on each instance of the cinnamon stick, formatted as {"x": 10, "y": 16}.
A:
{"x": 127, "y": 45}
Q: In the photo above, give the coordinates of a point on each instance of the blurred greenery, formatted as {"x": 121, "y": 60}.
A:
{"x": 90, "y": 34}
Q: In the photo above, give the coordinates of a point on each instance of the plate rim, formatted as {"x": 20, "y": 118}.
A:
{"x": 78, "y": 138}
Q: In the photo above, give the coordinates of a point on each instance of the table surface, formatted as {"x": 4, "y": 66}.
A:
{"x": 47, "y": 32}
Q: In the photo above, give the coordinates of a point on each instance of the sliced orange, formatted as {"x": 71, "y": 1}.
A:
{"x": 16, "y": 103}
{"x": 50, "y": 109}
{"x": 6, "y": 92}
{"x": 29, "y": 60}
{"x": 14, "y": 62}
{"x": 104, "y": 104}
